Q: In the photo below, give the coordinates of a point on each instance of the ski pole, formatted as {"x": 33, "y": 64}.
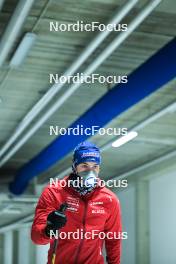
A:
{"x": 62, "y": 208}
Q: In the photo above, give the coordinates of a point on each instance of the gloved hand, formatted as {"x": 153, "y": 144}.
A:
{"x": 55, "y": 220}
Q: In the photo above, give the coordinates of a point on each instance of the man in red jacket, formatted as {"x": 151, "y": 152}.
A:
{"x": 93, "y": 215}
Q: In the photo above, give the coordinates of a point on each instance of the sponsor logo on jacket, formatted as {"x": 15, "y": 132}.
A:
{"x": 73, "y": 204}
{"x": 98, "y": 211}
{"x": 96, "y": 203}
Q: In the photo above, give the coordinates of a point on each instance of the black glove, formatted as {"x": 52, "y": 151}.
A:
{"x": 55, "y": 220}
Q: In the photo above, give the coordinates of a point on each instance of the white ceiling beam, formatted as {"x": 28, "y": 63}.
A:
{"x": 13, "y": 28}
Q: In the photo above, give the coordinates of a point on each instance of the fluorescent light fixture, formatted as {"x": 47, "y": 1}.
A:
{"x": 120, "y": 141}
{"x": 172, "y": 108}
{"x": 1, "y": 3}
{"x": 23, "y": 50}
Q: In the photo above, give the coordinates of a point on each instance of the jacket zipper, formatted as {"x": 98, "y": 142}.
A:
{"x": 82, "y": 240}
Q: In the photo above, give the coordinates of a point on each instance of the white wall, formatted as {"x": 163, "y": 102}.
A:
{"x": 8, "y": 247}
{"x": 163, "y": 220}
{"x": 1, "y": 248}
{"x": 127, "y": 200}
{"x": 42, "y": 254}
{"x": 29, "y": 253}
{"x": 24, "y": 246}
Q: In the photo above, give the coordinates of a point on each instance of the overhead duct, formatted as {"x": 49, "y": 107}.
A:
{"x": 13, "y": 29}
{"x": 146, "y": 79}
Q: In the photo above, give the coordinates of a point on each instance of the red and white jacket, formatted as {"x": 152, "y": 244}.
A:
{"x": 98, "y": 211}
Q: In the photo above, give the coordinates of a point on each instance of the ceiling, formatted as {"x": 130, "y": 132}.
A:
{"x": 53, "y": 52}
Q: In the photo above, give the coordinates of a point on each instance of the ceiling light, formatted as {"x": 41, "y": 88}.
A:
{"x": 172, "y": 108}
{"x": 23, "y": 50}
{"x": 119, "y": 142}
{"x": 1, "y": 4}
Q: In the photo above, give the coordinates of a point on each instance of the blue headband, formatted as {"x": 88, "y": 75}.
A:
{"x": 86, "y": 152}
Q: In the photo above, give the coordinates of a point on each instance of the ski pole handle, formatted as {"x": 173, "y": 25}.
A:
{"x": 63, "y": 207}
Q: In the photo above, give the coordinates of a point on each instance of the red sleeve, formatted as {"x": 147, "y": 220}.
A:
{"x": 46, "y": 204}
{"x": 113, "y": 226}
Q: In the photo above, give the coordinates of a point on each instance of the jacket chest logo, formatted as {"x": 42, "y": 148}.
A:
{"x": 97, "y": 207}
{"x": 73, "y": 204}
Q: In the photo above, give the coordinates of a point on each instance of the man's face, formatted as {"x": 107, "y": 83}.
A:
{"x": 86, "y": 166}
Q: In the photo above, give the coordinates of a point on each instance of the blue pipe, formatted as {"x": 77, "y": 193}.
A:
{"x": 157, "y": 71}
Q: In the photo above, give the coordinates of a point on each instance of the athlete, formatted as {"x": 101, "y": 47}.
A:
{"x": 92, "y": 217}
